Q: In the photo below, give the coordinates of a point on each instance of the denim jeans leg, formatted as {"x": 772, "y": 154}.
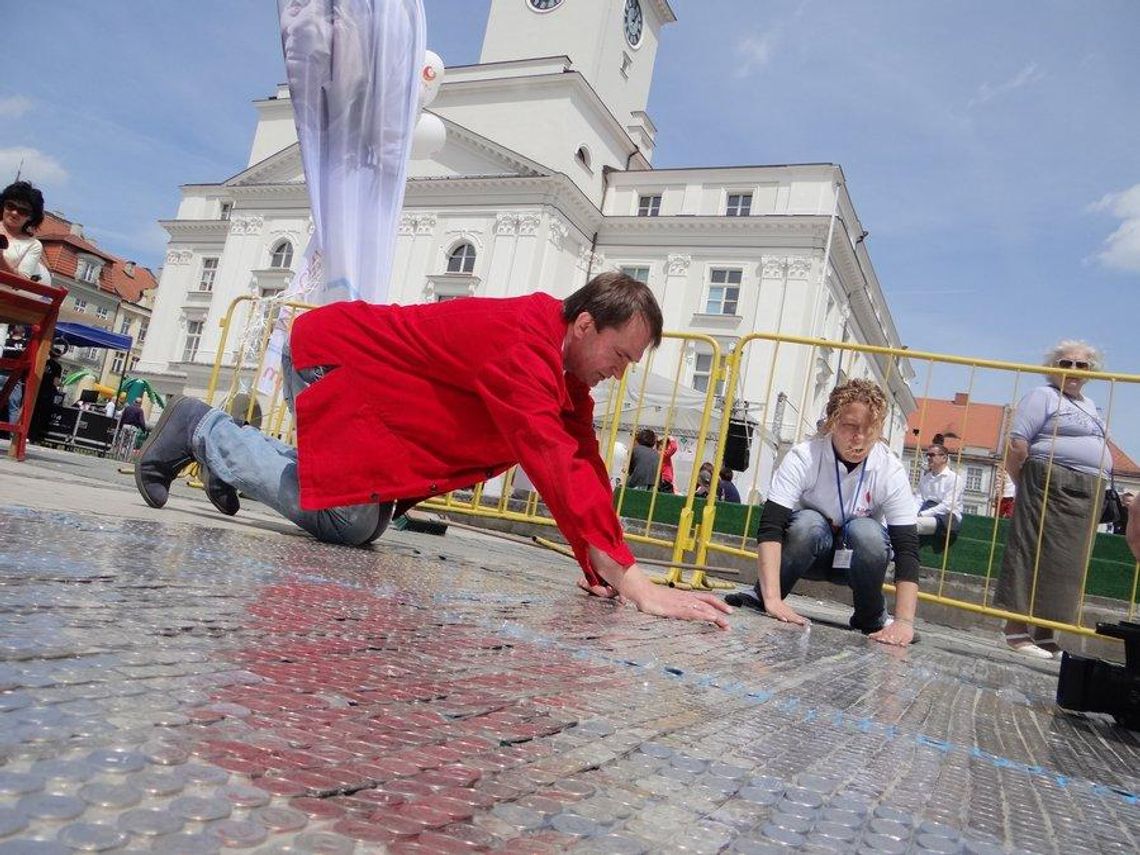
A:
{"x": 266, "y": 469}
{"x": 809, "y": 545}
{"x": 872, "y": 552}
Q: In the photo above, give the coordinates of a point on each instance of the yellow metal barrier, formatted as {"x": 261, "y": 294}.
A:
{"x": 889, "y": 367}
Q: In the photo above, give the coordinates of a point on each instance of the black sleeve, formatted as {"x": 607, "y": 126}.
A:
{"x": 904, "y": 541}
{"x": 774, "y": 522}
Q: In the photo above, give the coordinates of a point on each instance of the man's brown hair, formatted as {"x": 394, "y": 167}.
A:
{"x": 612, "y": 298}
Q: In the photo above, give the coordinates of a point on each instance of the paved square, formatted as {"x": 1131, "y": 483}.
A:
{"x": 174, "y": 681}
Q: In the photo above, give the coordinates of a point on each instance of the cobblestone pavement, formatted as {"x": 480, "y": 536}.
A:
{"x": 181, "y": 688}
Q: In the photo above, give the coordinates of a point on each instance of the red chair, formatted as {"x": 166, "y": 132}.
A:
{"x": 30, "y": 304}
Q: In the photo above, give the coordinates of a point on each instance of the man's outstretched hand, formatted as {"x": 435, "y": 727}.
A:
{"x": 629, "y": 583}
{"x": 606, "y": 592}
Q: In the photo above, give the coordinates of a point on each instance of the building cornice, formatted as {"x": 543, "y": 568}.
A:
{"x": 200, "y": 229}
{"x": 282, "y": 191}
{"x": 664, "y": 11}
{"x": 719, "y": 231}
{"x": 556, "y": 190}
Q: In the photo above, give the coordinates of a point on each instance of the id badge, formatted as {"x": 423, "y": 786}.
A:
{"x": 842, "y": 560}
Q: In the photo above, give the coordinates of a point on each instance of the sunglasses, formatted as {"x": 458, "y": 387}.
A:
{"x": 18, "y": 208}
{"x": 1071, "y": 363}
{"x": 934, "y": 454}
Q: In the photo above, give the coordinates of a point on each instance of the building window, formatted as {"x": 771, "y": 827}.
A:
{"x": 80, "y": 305}
{"x": 125, "y": 326}
{"x": 134, "y": 362}
{"x": 649, "y": 206}
{"x": 461, "y": 259}
{"x": 227, "y": 207}
{"x": 582, "y": 155}
{"x": 89, "y": 354}
{"x": 118, "y": 362}
{"x": 972, "y": 510}
{"x": 282, "y": 257}
{"x": 641, "y": 274}
{"x": 443, "y": 298}
{"x": 102, "y": 312}
{"x": 87, "y": 271}
{"x": 702, "y": 371}
{"x": 142, "y": 331}
{"x": 739, "y": 205}
{"x": 209, "y": 271}
{"x": 974, "y": 478}
{"x": 193, "y": 339}
{"x": 724, "y": 292}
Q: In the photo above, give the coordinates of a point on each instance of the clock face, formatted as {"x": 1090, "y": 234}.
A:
{"x": 633, "y": 22}
{"x": 544, "y": 5}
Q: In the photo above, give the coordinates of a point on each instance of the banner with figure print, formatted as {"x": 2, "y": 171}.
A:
{"x": 354, "y": 79}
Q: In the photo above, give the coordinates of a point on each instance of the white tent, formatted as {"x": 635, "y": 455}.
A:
{"x": 656, "y": 402}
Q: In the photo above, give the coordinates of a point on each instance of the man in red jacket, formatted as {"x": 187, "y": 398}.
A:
{"x": 395, "y": 404}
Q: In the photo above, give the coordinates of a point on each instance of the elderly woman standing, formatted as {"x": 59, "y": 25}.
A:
{"x": 1057, "y": 443}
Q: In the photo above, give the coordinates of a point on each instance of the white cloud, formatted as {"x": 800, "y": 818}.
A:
{"x": 752, "y": 53}
{"x": 14, "y": 106}
{"x": 33, "y": 165}
{"x": 1121, "y": 249}
{"x": 987, "y": 92}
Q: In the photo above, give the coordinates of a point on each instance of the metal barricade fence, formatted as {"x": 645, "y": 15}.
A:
{"x": 781, "y": 383}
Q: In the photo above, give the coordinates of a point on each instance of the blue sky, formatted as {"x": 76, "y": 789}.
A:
{"x": 990, "y": 148}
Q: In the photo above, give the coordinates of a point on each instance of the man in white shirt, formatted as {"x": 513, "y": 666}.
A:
{"x": 939, "y": 497}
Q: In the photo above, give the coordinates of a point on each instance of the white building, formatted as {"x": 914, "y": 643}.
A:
{"x": 544, "y": 181}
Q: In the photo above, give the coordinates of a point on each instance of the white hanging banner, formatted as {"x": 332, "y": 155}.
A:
{"x": 354, "y": 69}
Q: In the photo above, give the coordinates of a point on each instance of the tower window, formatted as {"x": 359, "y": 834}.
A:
{"x": 583, "y": 156}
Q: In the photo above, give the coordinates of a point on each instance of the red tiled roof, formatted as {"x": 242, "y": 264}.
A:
{"x": 1122, "y": 464}
{"x": 61, "y": 249}
{"x": 977, "y": 425}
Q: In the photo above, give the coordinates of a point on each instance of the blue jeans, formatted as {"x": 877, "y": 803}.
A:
{"x": 809, "y": 550}
{"x": 15, "y": 399}
{"x": 265, "y": 469}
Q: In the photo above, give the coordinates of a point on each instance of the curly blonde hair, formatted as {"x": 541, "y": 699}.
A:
{"x": 856, "y": 391}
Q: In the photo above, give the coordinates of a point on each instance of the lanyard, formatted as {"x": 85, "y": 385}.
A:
{"x": 839, "y": 490}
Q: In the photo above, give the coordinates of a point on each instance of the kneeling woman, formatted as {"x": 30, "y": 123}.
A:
{"x": 840, "y": 504}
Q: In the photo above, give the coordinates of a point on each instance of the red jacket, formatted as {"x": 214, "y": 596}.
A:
{"x": 429, "y": 398}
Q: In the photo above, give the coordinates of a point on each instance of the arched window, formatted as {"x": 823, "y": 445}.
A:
{"x": 282, "y": 257}
{"x": 461, "y": 259}
{"x": 583, "y": 156}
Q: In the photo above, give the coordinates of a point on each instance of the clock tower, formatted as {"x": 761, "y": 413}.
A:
{"x": 611, "y": 43}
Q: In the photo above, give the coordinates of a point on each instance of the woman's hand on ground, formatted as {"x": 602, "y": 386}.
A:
{"x": 899, "y": 633}
{"x": 781, "y": 611}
